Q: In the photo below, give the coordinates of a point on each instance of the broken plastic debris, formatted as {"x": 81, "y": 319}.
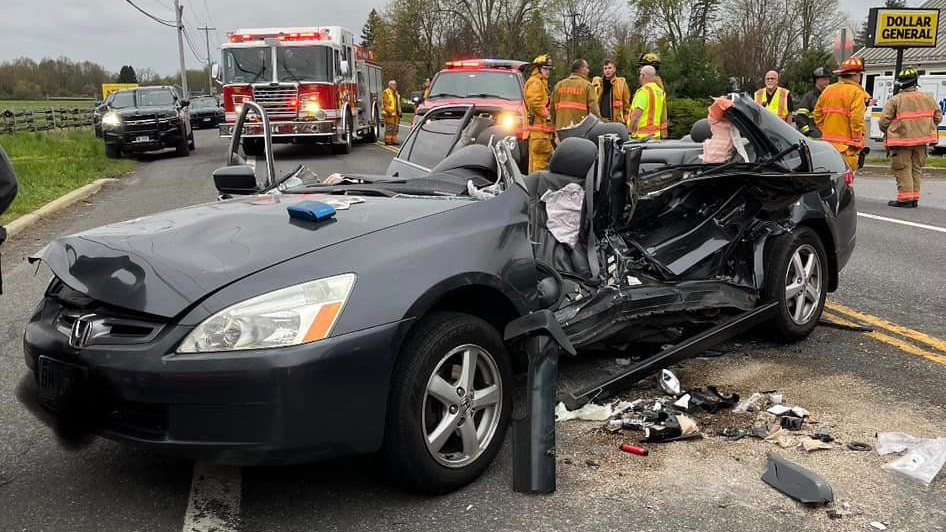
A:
{"x": 775, "y": 398}
{"x": 791, "y": 422}
{"x": 823, "y": 434}
{"x": 895, "y": 442}
{"x": 815, "y": 445}
{"x": 878, "y": 525}
{"x": 779, "y": 410}
{"x": 859, "y": 446}
{"x": 800, "y": 412}
{"x": 797, "y": 482}
{"x": 622, "y": 361}
{"x": 589, "y": 412}
{"x": 675, "y": 428}
{"x": 669, "y": 382}
{"x": 922, "y": 460}
{"x": 745, "y": 405}
{"x": 683, "y": 402}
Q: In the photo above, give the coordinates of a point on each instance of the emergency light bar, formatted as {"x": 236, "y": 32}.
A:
{"x": 285, "y": 37}
{"x": 485, "y": 63}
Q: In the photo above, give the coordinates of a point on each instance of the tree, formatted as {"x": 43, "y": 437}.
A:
{"x": 797, "y": 75}
{"x": 127, "y": 75}
{"x": 369, "y": 30}
{"x": 817, "y": 21}
{"x": 691, "y": 70}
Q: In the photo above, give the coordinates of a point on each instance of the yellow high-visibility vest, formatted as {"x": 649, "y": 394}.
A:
{"x": 778, "y": 105}
{"x": 651, "y": 100}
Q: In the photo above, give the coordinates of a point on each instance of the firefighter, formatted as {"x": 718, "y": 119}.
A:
{"x": 803, "y": 119}
{"x": 614, "y": 96}
{"x": 909, "y": 121}
{"x": 574, "y": 98}
{"x": 652, "y": 59}
{"x": 540, "y": 131}
{"x": 775, "y": 98}
{"x": 391, "y": 106}
{"x": 426, "y": 88}
{"x": 648, "y": 108}
{"x": 839, "y": 113}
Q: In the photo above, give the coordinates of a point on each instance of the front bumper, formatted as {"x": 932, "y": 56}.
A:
{"x": 301, "y": 128}
{"x": 273, "y": 406}
{"x": 134, "y": 141}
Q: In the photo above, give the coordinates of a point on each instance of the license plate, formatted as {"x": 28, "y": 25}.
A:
{"x": 206, "y": 120}
{"x": 60, "y": 383}
{"x": 143, "y": 139}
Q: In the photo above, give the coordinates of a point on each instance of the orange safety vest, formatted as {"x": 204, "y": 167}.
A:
{"x": 620, "y": 97}
{"x": 778, "y": 105}
{"x": 839, "y": 114}
{"x": 391, "y": 103}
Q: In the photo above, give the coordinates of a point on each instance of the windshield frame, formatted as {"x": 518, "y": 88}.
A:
{"x": 122, "y": 94}
{"x": 293, "y": 73}
{"x": 478, "y": 87}
{"x": 229, "y": 72}
{"x": 140, "y": 92}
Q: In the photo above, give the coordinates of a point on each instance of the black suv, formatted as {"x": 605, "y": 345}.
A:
{"x": 146, "y": 119}
{"x": 206, "y": 112}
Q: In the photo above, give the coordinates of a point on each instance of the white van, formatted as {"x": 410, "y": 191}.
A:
{"x": 883, "y": 90}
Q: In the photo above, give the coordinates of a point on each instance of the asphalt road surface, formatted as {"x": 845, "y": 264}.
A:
{"x": 854, "y": 383}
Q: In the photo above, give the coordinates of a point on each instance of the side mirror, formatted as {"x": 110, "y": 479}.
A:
{"x": 238, "y": 180}
{"x": 416, "y": 97}
{"x": 185, "y": 103}
{"x": 344, "y": 67}
{"x": 215, "y": 71}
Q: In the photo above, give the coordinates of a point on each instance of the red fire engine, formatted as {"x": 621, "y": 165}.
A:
{"x": 315, "y": 84}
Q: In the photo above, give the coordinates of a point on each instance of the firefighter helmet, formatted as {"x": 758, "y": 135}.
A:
{"x": 543, "y": 61}
{"x": 851, "y": 65}
{"x": 821, "y": 72}
{"x": 907, "y": 77}
{"x": 650, "y": 58}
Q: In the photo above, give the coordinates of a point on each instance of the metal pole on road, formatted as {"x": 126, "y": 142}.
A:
{"x": 210, "y": 78}
{"x": 178, "y": 12}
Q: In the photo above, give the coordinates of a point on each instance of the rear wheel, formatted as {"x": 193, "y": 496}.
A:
{"x": 797, "y": 278}
{"x": 451, "y": 399}
{"x": 374, "y": 132}
{"x": 253, "y": 147}
{"x": 190, "y": 141}
{"x": 113, "y": 151}
{"x": 345, "y": 146}
{"x": 182, "y": 148}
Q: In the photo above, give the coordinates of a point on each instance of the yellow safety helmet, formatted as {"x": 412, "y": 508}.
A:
{"x": 650, "y": 58}
{"x": 907, "y": 77}
{"x": 543, "y": 61}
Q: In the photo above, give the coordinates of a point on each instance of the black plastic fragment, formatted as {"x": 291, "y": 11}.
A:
{"x": 797, "y": 482}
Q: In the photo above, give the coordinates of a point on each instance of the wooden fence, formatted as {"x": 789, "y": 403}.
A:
{"x": 33, "y": 120}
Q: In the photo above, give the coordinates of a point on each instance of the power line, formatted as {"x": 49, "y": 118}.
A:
{"x": 169, "y": 23}
{"x": 193, "y": 48}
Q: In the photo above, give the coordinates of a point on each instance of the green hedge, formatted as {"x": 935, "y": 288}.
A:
{"x": 683, "y": 112}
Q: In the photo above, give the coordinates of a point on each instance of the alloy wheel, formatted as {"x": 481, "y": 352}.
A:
{"x": 803, "y": 284}
{"x": 462, "y": 406}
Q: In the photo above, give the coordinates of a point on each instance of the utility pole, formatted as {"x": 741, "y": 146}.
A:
{"x": 210, "y": 78}
{"x": 178, "y": 12}
{"x": 574, "y": 17}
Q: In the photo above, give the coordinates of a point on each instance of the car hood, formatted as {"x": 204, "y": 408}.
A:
{"x": 486, "y": 103}
{"x": 163, "y": 264}
{"x": 140, "y": 111}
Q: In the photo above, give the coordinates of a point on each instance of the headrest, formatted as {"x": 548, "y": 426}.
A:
{"x": 700, "y": 130}
{"x": 608, "y": 128}
{"x": 579, "y": 130}
{"x": 474, "y": 156}
{"x": 573, "y": 157}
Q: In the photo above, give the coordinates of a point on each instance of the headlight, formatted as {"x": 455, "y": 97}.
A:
{"x": 291, "y": 316}
{"x": 508, "y": 121}
{"x": 111, "y": 119}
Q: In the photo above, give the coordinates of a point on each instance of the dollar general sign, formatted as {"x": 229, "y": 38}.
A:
{"x": 904, "y": 28}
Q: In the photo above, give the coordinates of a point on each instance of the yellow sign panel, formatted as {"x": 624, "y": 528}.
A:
{"x": 108, "y": 88}
{"x": 908, "y": 28}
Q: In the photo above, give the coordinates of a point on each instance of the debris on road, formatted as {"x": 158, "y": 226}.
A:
{"x": 791, "y": 422}
{"x": 859, "y": 446}
{"x": 669, "y": 382}
{"x": 675, "y": 428}
{"x": 797, "y": 482}
{"x": 815, "y": 445}
{"x": 823, "y": 434}
{"x": 748, "y": 403}
{"x": 779, "y": 410}
{"x": 878, "y": 525}
{"x": 589, "y": 412}
{"x": 592, "y": 463}
{"x": 775, "y": 398}
{"x": 632, "y": 449}
{"x": 924, "y": 457}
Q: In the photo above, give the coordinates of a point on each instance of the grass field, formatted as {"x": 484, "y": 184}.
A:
{"x": 18, "y": 105}
{"x": 48, "y": 165}
{"x": 931, "y": 161}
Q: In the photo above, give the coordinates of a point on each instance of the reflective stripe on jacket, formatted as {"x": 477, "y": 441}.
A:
{"x": 911, "y": 118}
{"x": 651, "y": 100}
{"x": 778, "y": 105}
{"x": 572, "y": 100}
{"x": 839, "y": 114}
{"x": 537, "y": 104}
{"x": 391, "y": 103}
{"x": 620, "y": 97}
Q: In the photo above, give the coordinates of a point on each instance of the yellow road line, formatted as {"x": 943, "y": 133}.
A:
{"x": 389, "y": 148}
{"x": 890, "y": 340}
{"x": 916, "y": 336}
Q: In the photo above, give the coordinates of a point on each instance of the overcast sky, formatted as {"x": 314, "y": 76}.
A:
{"x": 112, "y": 33}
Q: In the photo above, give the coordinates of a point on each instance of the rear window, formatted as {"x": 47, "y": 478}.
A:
{"x": 472, "y": 84}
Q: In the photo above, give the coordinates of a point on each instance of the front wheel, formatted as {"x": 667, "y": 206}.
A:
{"x": 113, "y": 151}
{"x": 797, "y": 278}
{"x": 345, "y": 146}
{"x": 450, "y": 404}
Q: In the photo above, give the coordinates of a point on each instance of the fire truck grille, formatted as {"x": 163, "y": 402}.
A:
{"x": 279, "y": 102}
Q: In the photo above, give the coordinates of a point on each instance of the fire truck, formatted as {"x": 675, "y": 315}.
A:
{"x": 315, "y": 84}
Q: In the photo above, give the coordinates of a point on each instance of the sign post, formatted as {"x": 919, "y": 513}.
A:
{"x": 901, "y": 29}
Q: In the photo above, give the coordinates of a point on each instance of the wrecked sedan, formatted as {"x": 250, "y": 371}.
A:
{"x": 232, "y": 332}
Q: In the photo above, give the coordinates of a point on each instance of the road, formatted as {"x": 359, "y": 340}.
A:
{"x": 855, "y": 383}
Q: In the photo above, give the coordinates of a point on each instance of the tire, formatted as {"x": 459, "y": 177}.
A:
{"x": 253, "y": 147}
{"x": 798, "y": 312}
{"x": 113, "y": 151}
{"x": 373, "y": 133}
{"x": 345, "y": 147}
{"x": 191, "y": 145}
{"x": 437, "y": 349}
{"x": 181, "y": 148}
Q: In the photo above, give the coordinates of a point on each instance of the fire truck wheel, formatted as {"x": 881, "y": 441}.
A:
{"x": 374, "y": 132}
{"x": 345, "y": 146}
